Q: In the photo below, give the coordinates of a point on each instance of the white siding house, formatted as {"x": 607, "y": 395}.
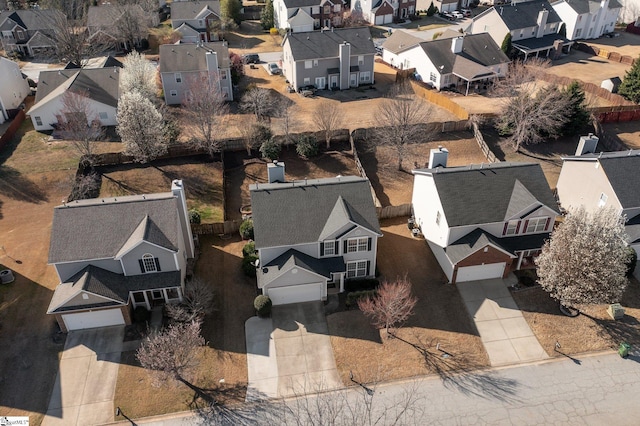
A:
{"x": 13, "y": 88}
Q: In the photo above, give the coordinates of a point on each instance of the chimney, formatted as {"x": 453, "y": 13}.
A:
{"x": 542, "y": 21}
{"x": 587, "y": 144}
{"x": 438, "y": 157}
{"x": 275, "y": 171}
{"x": 183, "y": 215}
{"x": 456, "y": 44}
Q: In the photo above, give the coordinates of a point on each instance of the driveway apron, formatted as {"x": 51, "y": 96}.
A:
{"x": 506, "y": 336}
{"x": 86, "y": 382}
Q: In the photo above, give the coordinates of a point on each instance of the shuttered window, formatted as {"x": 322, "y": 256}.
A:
{"x": 148, "y": 263}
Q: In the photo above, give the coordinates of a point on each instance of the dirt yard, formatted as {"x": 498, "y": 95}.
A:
{"x": 251, "y": 38}
{"x": 440, "y": 318}
{"x": 588, "y": 68}
{"x": 395, "y": 187}
{"x": 222, "y": 371}
{"x": 625, "y": 44}
{"x": 628, "y": 132}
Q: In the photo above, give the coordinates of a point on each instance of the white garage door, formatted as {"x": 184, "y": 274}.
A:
{"x": 93, "y": 319}
{"x": 480, "y": 272}
{"x": 302, "y": 28}
{"x": 384, "y": 19}
{"x": 296, "y": 293}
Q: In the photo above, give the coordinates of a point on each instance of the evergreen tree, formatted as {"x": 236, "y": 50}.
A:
{"x": 432, "y": 10}
{"x": 506, "y": 45}
{"x": 266, "y": 17}
{"x": 230, "y": 10}
{"x": 577, "y": 114}
{"x": 630, "y": 87}
{"x": 563, "y": 30}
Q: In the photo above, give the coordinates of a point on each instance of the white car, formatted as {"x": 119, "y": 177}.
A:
{"x": 457, "y": 15}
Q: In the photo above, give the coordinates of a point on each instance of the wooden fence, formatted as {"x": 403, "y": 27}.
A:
{"x": 8, "y": 135}
{"x": 606, "y": 141}
{"x": 603, "y": 53}
{"x": 431, "y": 95}
{"x": 362, "y": 172}
{"x": 389, "y": 212}
{"x": 617, "y": 113}
{"x": 220, "y": 228}
{"x": 491, "y": 157}
{"x": 594, "y": 89}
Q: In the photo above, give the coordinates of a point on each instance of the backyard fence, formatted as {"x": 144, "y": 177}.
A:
{"x": 8, "y": 135}
{"x": 605, "y": 140}
{"x": 431, "y": 95}
{"x": 483, "y": 145}
{"x": 617, "y": 113}
{"x": 603, "y": 53}
{"x": 388, "y": 212}
{"x": 361, "y": 170}
{"x": 220, "y": 228}
{"x": 594, "y": 89}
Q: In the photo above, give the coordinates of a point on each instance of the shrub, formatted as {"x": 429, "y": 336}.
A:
{"x": 631, "y": 263}
{"x": 307, "y": 147}
{"x": 270, "y": 149}
{"x": 353, "y": 297}
{"x": 274, "y": 31}
{"x": 263, "y": 305}
{"x": 360, "y": 285}
{"x": 194, "y": 216}
{"x": 249, "y": 266}
{"x": 249, "y": 249}
{"x": 246, "y": 229}
{"x": 140, "y": 314}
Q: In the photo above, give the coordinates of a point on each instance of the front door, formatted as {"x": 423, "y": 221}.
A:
{"x": 321, "y": 82}
{"x": 157, "y": 296}
{"x": 354, "y": 80}
{"x": 334, "y": 81}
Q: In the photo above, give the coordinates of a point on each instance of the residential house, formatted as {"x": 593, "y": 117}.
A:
{"x": 13, "y": 89}
{"x": 124, "y": 26}
{"x": 29, "y": 32}
{"x": 307, "y": 15}
{"x": 533, "y": 25}
{"x": 463, "y": 61}
{"x": 196, "y": 20}
{"x": 630, "y": 11}
{"x": 335, "y": 59}
{"x": 99, "y": 85}
{"x": 482, "y": 221}
{"x": 601, "y": 179}
{"x": 113, "y": 255}
{"x": 180, "y": 63}
{"x": 443, "y": 5}
{"x": 312, "y": 235}
{"x": 587, "y": 19}
{"x": 379, "y": 12}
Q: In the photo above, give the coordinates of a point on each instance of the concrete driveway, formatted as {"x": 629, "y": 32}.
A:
{"x": 291, "y": 353}
{"x": 86, "y": 382}
{"x": 506, "y": 336}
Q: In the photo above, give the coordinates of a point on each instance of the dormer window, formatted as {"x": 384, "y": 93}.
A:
{"x": 511, "y": 228}
{"x": 148, "y": 263}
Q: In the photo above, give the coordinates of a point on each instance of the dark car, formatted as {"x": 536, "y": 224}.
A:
{"x": 251, "y": 58}
{"x": 308, "y": 87}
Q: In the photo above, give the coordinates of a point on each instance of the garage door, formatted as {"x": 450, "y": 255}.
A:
{"x": 302, "y": 28}
{"x": 296, "y": 293}
{"x": 384, "y": 19}
{"x": 93, "y": 319}
{"x": 480, "y": 272}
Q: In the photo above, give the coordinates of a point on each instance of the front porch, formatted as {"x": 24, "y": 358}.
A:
{"x": 156, "y": 297}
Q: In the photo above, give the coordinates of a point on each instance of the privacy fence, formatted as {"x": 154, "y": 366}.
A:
{"x": 8, "y": 135}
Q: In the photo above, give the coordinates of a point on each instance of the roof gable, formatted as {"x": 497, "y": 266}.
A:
{"x": 191, "y": 56}
{"x": 400, "y": 41}
{"x": 325, "y": 44}
{"x": 525, "y": 15}
{"x": 189, "y": 10}
{"x": 520, "y": 199}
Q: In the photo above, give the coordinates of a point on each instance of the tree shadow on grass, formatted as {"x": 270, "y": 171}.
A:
{"x": 626, "y": 329}
{"x": 17, "y": 187}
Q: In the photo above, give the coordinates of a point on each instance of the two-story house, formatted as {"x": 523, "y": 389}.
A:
{"x": 13, "y": 89}
{"x": 101, "y": 86}
{"x": 307, "y": 15}
{"x": 329, "y": 59}
{"x": 482, "y": 221}
{"x": 466, "y": 62}
{"x": 29, "y": 32}
{"x": 379, "y": 12}
{"x": 123, "y": 25}
{"x": 601, "y": 179}
{"x": 312, "y": 235}
{"x": 196, "y": 20}
{"x": 533, "y": 25}
{"x": 115, "y": 254}
{"x": 587, "y": 19}
{"x": 181, "y": 63}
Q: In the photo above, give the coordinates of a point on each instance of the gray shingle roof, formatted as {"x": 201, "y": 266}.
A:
{"x": 106, "y": 15}
{"x": 32, "y": 20}
{"x": 296, "y": 213}
{"x": 399, "y": 41}
{"x": 535, "y": 43}
{"x": 588, "y": 6}
{"x": 92, "y": 229}
{"x": 471, "y": 195}
{"x": 477, "y": 48}
{"x": 525, "y": 15}
{"x": 477, "y": 239}
{"x": 293, "y": 258}
{"x": 100, "y": 84}
{"x": 191, "y": 57}
{"x": 324, "y": 44}
{"x": 186, "y": 10}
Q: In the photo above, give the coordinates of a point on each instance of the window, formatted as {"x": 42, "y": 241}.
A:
{"x": 148, "y": 263}
{"x": 486, "y": 28}
{"x": 315, "y": 10}
{"x": 357, "y": 269}
{"x": 511, "y": 228}
{"x": 432, "y": 77}
{"x": 138, "y": 297}
{"x": 103, "y": 115}
{"x": 173, "y": 93}
{"x": 20, "y": 35}
{"x": 529, "y": 253}
{"x": 329, "y": 248}
{"x": 172, "y": 293}
{"x": 38, "y": 121}
{"x": 336, "y": 8}
{"x": 223, "y": 75}
{"x": 578, "y": 32}
{"x": 315, "y": 62}
{"x": 533, "y": 31}
{"x": 307, "y": 81}
{"x": 308, "y": 64}
{"x": 603, "y": 200}
{"x": 327, "y": 9}
{"x": 365, "y": 77}
{"x": 438, "y": 215}
{"x": 537, "y": 224}
{"x": 178, "y": 77}
{"x": 361, "y": 60}
{"x": 357, "y": 244}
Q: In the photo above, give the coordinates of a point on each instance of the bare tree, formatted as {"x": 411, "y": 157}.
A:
{"x": 258, "y": 101}
{"x": 531, "y": 112}
{"x": 138, "y": 74}
{"x": 254, "y": 134}
{"x": 78, "y": 123}
{"x": 140, "y": 127}
{"x": 585, "y": 261}
{"x": 71, "y": 39}
{"x": 328, "y": 119}
{"x": 130, "y": 23}
{"x": 391, "y": 306}
{"x": 171, "y": 353}
{"x": 206, "y": 107}
{"x": 402, "y": 116}
{"x": 197, "y": 302}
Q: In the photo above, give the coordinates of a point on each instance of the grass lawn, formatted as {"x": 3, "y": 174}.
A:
{"x": 440, "y": 318}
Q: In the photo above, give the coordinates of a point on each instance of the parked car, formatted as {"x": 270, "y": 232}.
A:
{"x": 465, "y": 12}
{"x": 251, "y": 58}
{"x": 448, "y": 15}
{"x": 307, "y": 90}
{"x": 457, "y": 15}
{"x": 273, "y": 68}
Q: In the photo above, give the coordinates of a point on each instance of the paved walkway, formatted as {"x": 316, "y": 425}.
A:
{"x": 86, "y": 382}
{"x": 506, "y": 336}
{"x": 291, "y": 353}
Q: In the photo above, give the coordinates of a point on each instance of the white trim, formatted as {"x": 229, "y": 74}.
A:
{"x": 121, "y": 255}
